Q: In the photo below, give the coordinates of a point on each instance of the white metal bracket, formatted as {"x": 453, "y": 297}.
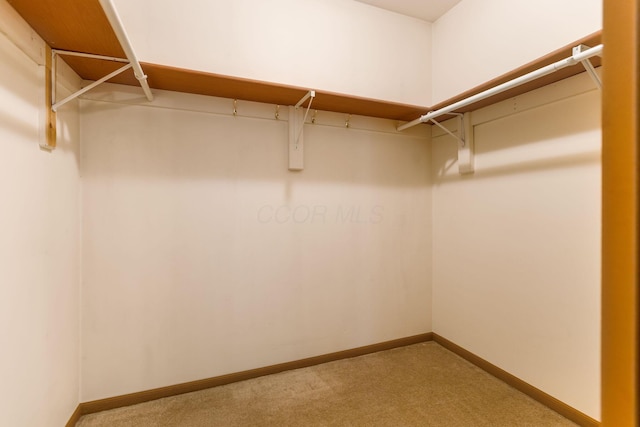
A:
{"x": 465, "y": 141}
{"x": 297, "y": 118}
{"x": 588, "y": 65}
{"x": 460, "y": 136}
{"x": 466, "y": 157}
{"x": 116, "y": 23}
{"x": 57, "y": 104}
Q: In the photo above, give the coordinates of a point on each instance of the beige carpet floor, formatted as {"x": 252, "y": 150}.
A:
{"x": 418, "y": 385}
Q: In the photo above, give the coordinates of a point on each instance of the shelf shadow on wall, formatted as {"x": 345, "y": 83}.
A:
{"x": 560, "y": 134}
{"x": 15, "y": 126}
{"x": 536, "y": 165}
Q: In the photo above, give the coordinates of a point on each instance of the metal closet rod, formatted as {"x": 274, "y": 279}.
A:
{"x": 118, "y": 28}
{"x": 577, "y": 58}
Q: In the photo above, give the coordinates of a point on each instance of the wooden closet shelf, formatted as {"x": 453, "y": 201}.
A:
{"x": 83, "y": 27}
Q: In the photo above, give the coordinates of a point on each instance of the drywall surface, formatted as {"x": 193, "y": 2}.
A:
{"x": 340, "y": 46}
{"x": 204, "y": 255}
{"x": 39, "y": 243}
{"x": 478, "y": 40}
{"x": 517, "y": 244}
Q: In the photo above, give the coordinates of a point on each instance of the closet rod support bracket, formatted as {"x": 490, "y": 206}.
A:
{"x": 74, "y": 95}
{"x": 460, "y": 137}
{"x": 297, "y": 118}
{"x": 588, "y": 65}
{"x": 466, "y": 152}
{"x": 464, "y": 135}
{"x": 311, "y": 94}
{"x": 58, "y": 52}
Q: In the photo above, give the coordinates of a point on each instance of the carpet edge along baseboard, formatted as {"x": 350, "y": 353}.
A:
{"x": 540, "y": 396}
{"x": 188, "y": 387}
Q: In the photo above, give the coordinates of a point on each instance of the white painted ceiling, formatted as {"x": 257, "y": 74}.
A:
{"x": 427, "y": 10}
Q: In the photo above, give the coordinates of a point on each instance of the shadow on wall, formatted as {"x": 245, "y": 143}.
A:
{"x": 536, "y": 165}
{"x": 150, "y": 142}
{"x": 563, "y": 134}
{"x": 14, "y": 126}
{"x": 28, "y": 131}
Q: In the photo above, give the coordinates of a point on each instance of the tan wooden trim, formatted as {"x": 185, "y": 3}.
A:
{"x": 620, "y": 174}
{"x": 50, "y": 122}
{"x": 158, "y": 393}
{"x": 75, "y": 25}
{"x": 75, "y": 417}
{"x": 515, "y": 382}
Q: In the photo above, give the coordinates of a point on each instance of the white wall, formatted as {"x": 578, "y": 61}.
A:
{"x": 478, "y": 40}
{"x": 517, "y": 244}
{"x": 203, "y": 255}
{"x": 333, "y": 45}
{"x": 39, "y": 243}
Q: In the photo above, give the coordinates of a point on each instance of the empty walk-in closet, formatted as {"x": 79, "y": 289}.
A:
{"x": 207, "y": 191}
